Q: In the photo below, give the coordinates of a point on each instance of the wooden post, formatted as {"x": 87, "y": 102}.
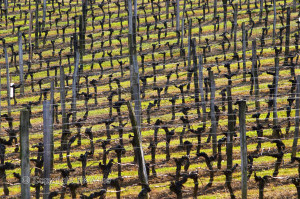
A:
{"x": 255, "y": 75}
{"x": 274, "y": 23}
{"x": 182, "y": 26}
{"x": 84, "y": 14}
{"x": 25, "y": 166}
{"x": 215, "y": 8}
{"x": 243, "y": 143}
{"x": 29, "y": 35}
{"x": 36, "y": 24}
{"x": 297, "y": 116}
{"x": 167, "y": 8}
{"x": 138, "y": 145}
{"x": 5, "y": 12}
{"x": 6, "y": 4}
{"x": 51, "y": 132}
{"x": 244, "y": 51}
{"x": 47, "y": 122}
{"x": 225, "y": 14}
{"x": 196, "y": 81}
{"x": 212, "y": 112}
{"x": 189, "y": 75}
{"x": 64, "y": 136}
{"x": 21, "y": 62}
{"x": 261, "y": 6}
{"x": 134, "y": 70}
{"x": 44, "y": 12}
{"x": 81, "y": 38}
{"x": 275, "y": 116}
{"x": 231, "y": 127}
{"x": 189, "y": 43}
{"x": 135, "y": 10}
{"x": 203, "y": 103}
{"x": 287, "y": 36}
{"x": 235, "y": 25}
{"x": 7, "y": 79}
{"x": 74, "y": 82}
{"x": 177, "y": 15}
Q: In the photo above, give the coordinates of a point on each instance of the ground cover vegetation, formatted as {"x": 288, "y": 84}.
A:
{"x": 214, "y": 85}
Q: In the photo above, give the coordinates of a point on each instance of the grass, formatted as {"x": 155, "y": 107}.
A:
{"x": 263, "y": 165}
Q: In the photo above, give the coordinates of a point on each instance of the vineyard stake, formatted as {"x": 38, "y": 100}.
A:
{"x": 274, "y": 23}
{"x": 275, "y": 116}
{"x": 167, "y": 8}
{"x": 182, "y": 26}
{"x": 82, "y": 28}
{"x": 225, "y": 14}
{"x": 196, "y": 81}
{"x": 255, "y": 75}
{"x": 177, "y": 15}
{"x": 84, "y": 14}
{"x": 297, "y": 116}
{"x": 44, "y": 12}
{"x": 64, "y": 136}
{"x": 287, "y": 36}
{"x": 189, "y": 74}
{"x": 230, "y": 132}
{"x": 47, "y": 122}
{"x": 235, "y": 25}
{"x": 215, "y": 9}
{"x": 243, "y": 143}
{"x": 244, "y": 51}
{"x": 25, "y": 166}
{"x": 36, "y": 37}
{"x": 75, "y": 80}
{"x": 5, "y": 4}
{"x": 212, "y": 113}
{"x": 52, "y": 111}
{"x": 21, "y": 62}
{"x": 134, "y": 70}
{"x": 81, "y": 39}
{"x": 260, "y": 10}
{"x": 200, "y": 68}
{"x": 7, "y": 79}
{"x": 137, "y": 140}
{"x": 29, "y": 35}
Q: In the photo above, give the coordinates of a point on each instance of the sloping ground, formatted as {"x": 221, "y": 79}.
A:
{"x": 279, "y": 187}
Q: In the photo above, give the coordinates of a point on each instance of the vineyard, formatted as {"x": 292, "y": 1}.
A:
{"x": 149, "y": 99}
